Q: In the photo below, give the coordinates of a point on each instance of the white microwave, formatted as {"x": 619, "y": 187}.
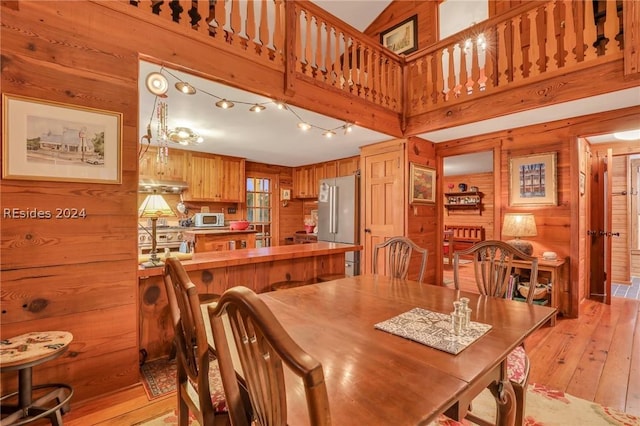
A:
{"x": 208, "y": 219}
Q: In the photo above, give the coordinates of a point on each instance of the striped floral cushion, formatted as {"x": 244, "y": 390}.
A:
{"x": 216, "y": 390}
{"x": 517, "y": 365}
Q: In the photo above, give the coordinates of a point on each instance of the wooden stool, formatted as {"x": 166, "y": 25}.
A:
{"x": 22, "y": 353}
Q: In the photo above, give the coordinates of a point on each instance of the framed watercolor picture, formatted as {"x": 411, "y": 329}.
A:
{"x": 52, "y": 141}
{"x": 423, "y": 185}
{"x": 532, "y": 180}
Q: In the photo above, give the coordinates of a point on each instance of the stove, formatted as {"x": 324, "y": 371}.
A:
{"x": 166, "y": 236}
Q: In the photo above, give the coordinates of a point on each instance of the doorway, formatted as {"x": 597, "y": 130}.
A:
{"x": 611, "y": 273}
{"x": 468, "y": 213}
{"x": 260, "y": 206}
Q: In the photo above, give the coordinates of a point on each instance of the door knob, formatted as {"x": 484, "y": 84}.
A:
{"x": 367, "y": 230}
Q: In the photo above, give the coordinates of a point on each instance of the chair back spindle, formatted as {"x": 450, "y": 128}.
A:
{"x": 398, "y": 257}
{"x": 264, "y": 350}
{"x": 194, "y": 391}
{"x": 492, "y": 265}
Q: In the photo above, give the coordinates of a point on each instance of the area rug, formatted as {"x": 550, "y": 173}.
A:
{"x": 545, "y": 407}
{"x": 159, "y": 376}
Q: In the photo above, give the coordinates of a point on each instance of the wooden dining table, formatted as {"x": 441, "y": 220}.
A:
{"x": 377, "y": 378}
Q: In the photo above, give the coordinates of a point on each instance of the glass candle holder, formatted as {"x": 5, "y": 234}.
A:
{"x": 457, "y": 321}
{"x": 465, "y": 311}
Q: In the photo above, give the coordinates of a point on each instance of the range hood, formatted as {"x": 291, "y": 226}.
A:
{"x": 149, "y": 186}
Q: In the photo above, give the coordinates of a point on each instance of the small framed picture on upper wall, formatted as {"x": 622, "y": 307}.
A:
{"x": 401, "y": 38}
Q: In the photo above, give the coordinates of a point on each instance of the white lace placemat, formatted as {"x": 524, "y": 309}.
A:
{"x": 432, "y": 329}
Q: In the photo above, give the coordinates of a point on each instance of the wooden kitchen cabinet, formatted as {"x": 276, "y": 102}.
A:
{"x": 331, "y": 169}
{"x": 233, "y": 185}
{"x": 205, "y": 241}
{"x": 215, "y": 178}
{"x": 306, "y": 179}
{"x": 343, "y": 167}
{"x": 173, "y": 169}
{"x": 304, "y": 182}
{"x": 348, "y": 166}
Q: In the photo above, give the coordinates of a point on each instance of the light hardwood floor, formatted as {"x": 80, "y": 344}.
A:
{"x": 595, "y": 357}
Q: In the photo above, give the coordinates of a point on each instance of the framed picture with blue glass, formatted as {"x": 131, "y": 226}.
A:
{"x": 532, "y": 180}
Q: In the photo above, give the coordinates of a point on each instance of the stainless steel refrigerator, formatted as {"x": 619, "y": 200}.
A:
{"x": 339, "y": 216}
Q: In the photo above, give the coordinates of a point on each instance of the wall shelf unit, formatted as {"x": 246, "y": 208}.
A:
{"x": 463, "y": 201}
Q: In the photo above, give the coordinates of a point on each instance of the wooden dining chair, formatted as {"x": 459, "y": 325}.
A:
{"x": 263, "y": 347}
{"x": 492, "y": 270}
{"x": 398, "y": 257}
{"x": 199, "y": 386}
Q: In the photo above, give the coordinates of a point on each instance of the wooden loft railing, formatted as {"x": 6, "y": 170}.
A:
{"x": 254, "y": 29}
{"x": 332, "y": 52}
{"x": 325, "y": 49}
{"x": 530, "y": 42}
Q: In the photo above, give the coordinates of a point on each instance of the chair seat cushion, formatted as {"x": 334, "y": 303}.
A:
{"x": 517, "y": 365}
{"x": 218, "y": 398}
{"x": 446, "y": 421}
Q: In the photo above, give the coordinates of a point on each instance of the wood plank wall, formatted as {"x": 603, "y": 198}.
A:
{"x": 620, "y": 216}
{"x": 557, "y": 228}
{"x": 75, "y": 275}
{"x": 485, "y": 184}
{"x": 398, "y": 11}
{"x": 422, "y": 220}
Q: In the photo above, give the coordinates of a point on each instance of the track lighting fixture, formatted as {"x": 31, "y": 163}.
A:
{"x": 185, "y": 88}
{"x": 224, "y": 104}
{"x": 157, "y": 84}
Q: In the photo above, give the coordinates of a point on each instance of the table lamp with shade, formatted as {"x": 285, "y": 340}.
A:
{"x": 520, "y": 225}
{"x": 153, "y": 207}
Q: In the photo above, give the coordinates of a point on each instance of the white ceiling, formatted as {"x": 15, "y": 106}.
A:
{"x": 273, "y": 137}
{"x": 585, "y": 106}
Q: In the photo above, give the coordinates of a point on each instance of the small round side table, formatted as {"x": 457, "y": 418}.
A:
{"x": 22, "y": 353}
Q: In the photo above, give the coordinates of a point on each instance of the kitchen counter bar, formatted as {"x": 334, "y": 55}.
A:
{"x": 203, "y": 240}
{"x": 214, "y": 272}
{"x": 216, "y": 231}
{"x": 221, "y": 259}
